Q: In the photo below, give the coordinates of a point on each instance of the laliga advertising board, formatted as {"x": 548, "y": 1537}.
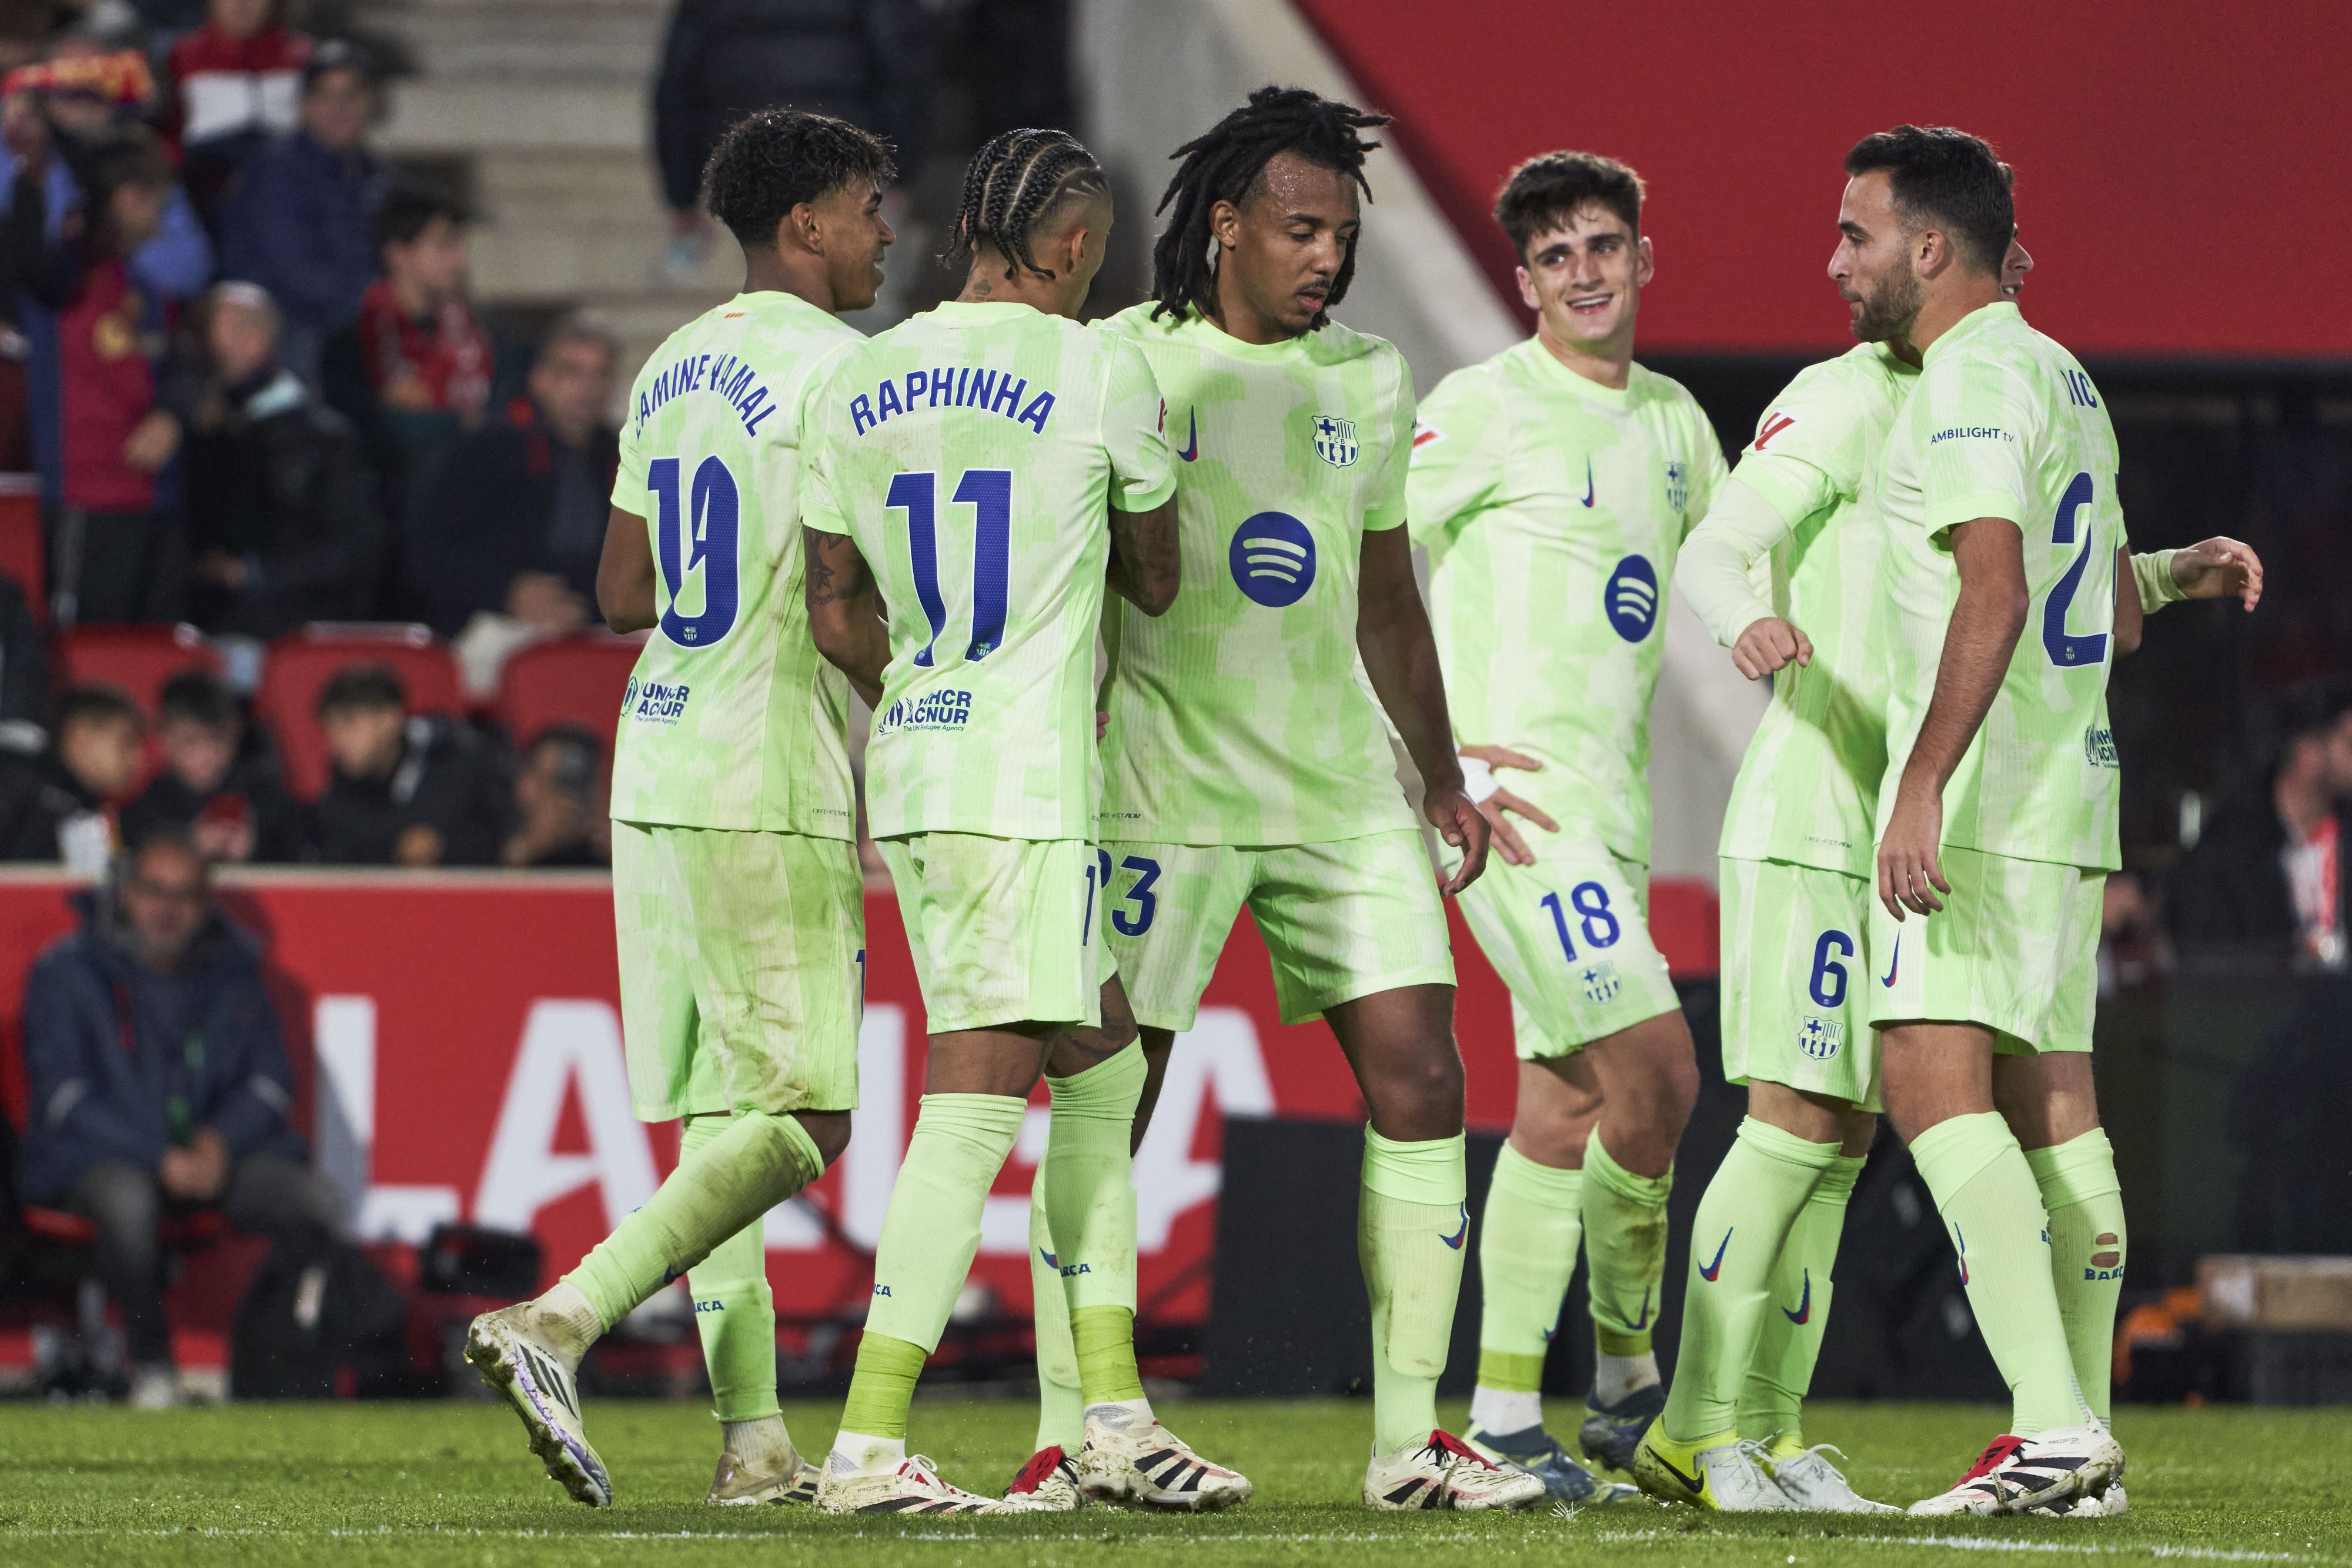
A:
{"x": 457, "y": 1037}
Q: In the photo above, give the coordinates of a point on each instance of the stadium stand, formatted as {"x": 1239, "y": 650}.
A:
{"x": 578, "y": 680}
{"x": 302, "y": 662}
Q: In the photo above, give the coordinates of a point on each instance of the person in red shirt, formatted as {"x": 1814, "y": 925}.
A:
{"x": 234, "y": 83}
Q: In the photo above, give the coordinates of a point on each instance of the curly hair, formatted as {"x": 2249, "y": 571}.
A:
{"x": 1010, "y": 189}
{"x": 1225, "y": 163}
{"x": 773, "y": 159}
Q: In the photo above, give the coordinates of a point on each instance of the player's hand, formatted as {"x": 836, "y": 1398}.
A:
{"x": 1460, "y": 824}
{"x": 2219, "y": 567}
{"x": 1507, "y": 841}
{"x": 1770, "y": 644}
{"x": 1909, "y": 875}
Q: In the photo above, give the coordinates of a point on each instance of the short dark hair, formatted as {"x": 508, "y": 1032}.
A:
{"x": 770, "y": 161}
{"x": 1945, "y": 179}
{"x": 1547, "y": 190}
{"x": 2313, "y": 708}
{"x": 570, "y": 736}
{"x": 364, "y": 686}
{"x": 1225, "y": 163}
{"x": 407, "y": 212}
{"x": 92, "y": 702}
{"x": 339, "y": 55}
{"x": 199, "y": 696}
{"x": 124, "y": 155}
{"x": 1011, "y": 186}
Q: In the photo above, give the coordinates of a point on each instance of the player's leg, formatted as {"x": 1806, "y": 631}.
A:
{"x": 1791, "y": 1031}
{"x": 1535, "y": 1200}
{"x": 776, "y": 1001}
{"x": 735, "y": 1317}
{"x": 1987, "y": 966}
{"x": 1003, "y": 950}
{"x": 1164, "y": 912}
{"x": 1597, "y": 1021}
{"x": 1356, "y": 935}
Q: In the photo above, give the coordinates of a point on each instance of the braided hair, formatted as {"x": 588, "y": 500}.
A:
{"x": 1011, "y": 186}
{"x": 1226, "y": 162}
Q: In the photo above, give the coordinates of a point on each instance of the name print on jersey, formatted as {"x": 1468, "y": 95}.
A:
{"x": 725, "y": 374}
{"x": 961, "y": 387}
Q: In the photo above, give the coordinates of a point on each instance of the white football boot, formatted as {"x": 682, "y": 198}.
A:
{"x": 2019, "y": 1475}
{"x": 523, "y": 1359}
{"x": 1445, "y": 1472}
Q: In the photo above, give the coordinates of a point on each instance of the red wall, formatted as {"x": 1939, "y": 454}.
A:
{"x": 2184, "y": 172}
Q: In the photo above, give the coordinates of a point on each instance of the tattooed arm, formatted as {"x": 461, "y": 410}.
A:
{"x": 1145, "y": 564}
{"x": 845, "y": 610}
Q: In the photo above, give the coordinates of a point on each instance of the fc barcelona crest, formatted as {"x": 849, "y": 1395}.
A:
{"x": 1678, "y": 485}
{"x": 1335, "y": 440}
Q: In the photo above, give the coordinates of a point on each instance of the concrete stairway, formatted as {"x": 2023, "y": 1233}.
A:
{"x": 548, "y": 104}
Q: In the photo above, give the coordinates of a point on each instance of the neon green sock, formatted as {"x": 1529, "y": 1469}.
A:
{"x": 1411, "y": 1224}
{"x": 2087, "y": 1239}
{"x": 1061, "y": 1409}
{"x": 753, "y": 1163}
{"x": 1625, "y": 1249}
{"x": 1781, "y": 1369}
{"x": 930, "y": 1232}
{"x": 734, "y": 1311}
{"x": 882, "y": 1388}
{"x": 1526, "y": 1254}
{"x": 1090, "y": 1201}
{"x": 1985, "y": 1192}
{"x": 1743, "y": 1222}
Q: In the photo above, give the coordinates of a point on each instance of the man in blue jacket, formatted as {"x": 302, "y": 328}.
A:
{"x": 159, "y": 1083}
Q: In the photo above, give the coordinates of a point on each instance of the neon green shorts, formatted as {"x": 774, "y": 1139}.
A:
{"x": 1003, "y": 930}
{"x": 1571, "y": 936}
{"x": 2015, "y": 949}
{"x": 1340, "y": 920}
{"x": 743, "y": 970}
{"x": 1793, "y": 1009}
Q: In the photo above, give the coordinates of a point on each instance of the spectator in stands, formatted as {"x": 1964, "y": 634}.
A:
{"x": 406, "y": 789}
{"x": 159, "y": 1082}
{"x": 298, "y": 219}
{"x": 222, "y": 795}
{"x": 281, "y": 506}
{"x": 234, "y": 83}
{"x": 2266, "y": 878}
{"x": 101, "y": 432}
{"x": 869, "y": 63}
{"x": 513, "y": 522}
{"x": 53, "y": 806}
{"x": 560, "y": 816}
{"x": 413, "y": 373}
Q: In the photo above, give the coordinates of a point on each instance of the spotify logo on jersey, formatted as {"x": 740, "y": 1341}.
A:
{"x": 1273, "y": 559}
{"x": 1631, "y": 598}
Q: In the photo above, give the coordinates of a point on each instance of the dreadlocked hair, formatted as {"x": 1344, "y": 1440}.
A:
{"x": 1012, "y": 186}
{"x": 1223, "y": 165}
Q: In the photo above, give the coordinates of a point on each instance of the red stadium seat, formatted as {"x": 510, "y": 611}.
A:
{"x": 576, "y": 681}
{"x": 136, "y": 660}
{"x": 24, "y": 550}
{"x": 302, "y": 662}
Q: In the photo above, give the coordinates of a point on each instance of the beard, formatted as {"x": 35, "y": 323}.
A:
{"x": 1889, "y": 307}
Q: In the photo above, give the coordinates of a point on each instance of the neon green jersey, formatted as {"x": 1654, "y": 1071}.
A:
{"x": 1553, "y": 508}
{"x": 1808, "y": 789}
{"x": 973, "y": 453}
{"x": 2005, "y": 423}
{"x": 731, "y": 718}
{"x": 1237, "y": 718}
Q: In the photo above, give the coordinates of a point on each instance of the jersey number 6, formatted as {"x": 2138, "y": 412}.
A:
{"x": 989, "y": 493}
{"x": 708, "y": 543}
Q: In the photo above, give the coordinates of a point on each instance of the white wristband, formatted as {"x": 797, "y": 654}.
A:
{"x": 1478, "y": 781}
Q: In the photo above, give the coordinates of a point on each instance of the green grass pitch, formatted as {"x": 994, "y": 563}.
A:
{"x": 452, "y": 1483}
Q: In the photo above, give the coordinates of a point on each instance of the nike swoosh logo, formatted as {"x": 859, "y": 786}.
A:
{"x": 1588, "y": 481}
{"x": 1192, "y": 452}
{"x": 1697, "y": 1483}
{"x": 1644, "y": 1321}
{"x": 1708, "y": 1272}
{"x": 1893, "y": 963}
{"x": 1804, "y": 1304}
{"x": 1961, "y": 1240}
{"x": 1548, "y": 1333}
{"x": 1456, "y": 1239}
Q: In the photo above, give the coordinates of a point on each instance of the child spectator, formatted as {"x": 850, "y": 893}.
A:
{"x": 297, "y": 219}
{"x": 227, "y": 801}
{"x": 234, "y": 83}
{"x": 282, "y": 516}
{"x": 560, "y": 818}
{"x": 406, "y": 789}
{"x": 54, "y": 807}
